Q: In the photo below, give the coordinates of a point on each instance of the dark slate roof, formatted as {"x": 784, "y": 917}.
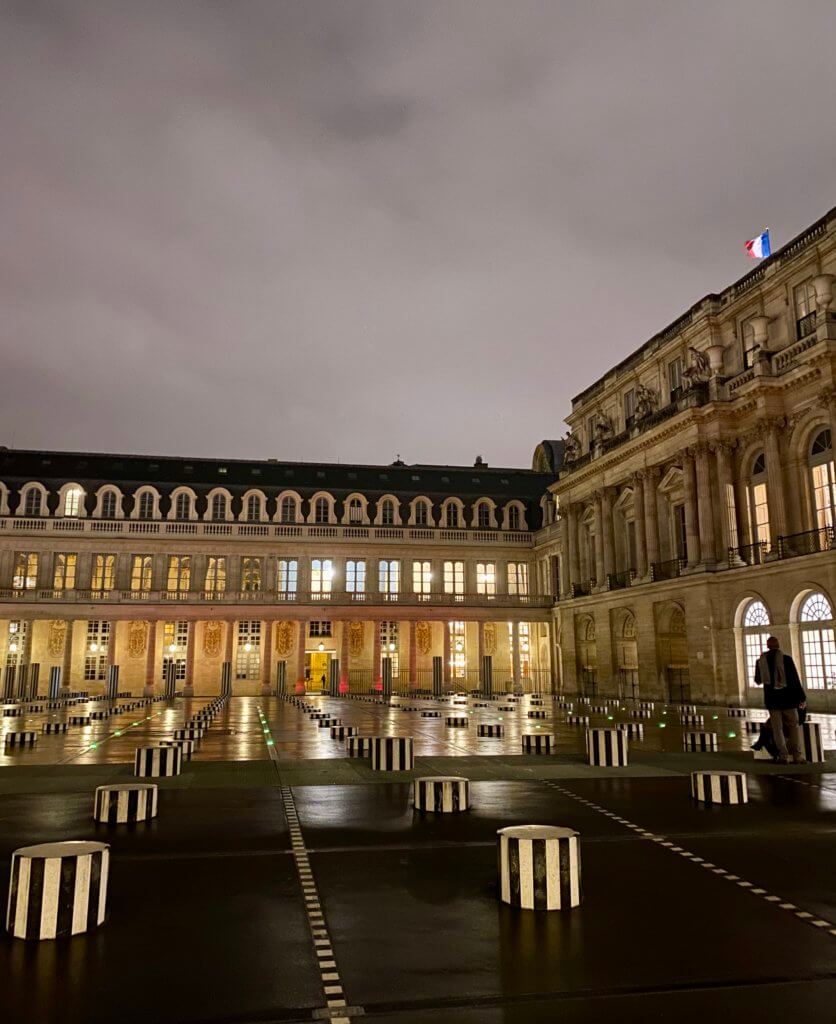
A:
{"x": 93, "y": 469}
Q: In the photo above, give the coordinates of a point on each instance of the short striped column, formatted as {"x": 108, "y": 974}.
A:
{"x": 442, "y": 794}
{"x": 536, "y": 713}
{"x": 700, "y": 741}
{"x": 633, "y": 730}
{"x": 607, "y": 747}
{"x": 358, "y": 746}
{"x": 57, "y": 889}
{"x": 189, "y": 732}
{"x": 506, "y": 707}
{"x": 537, "y": 742}
{"x": 157, "y": 762}
{"x": 54, "y": 682}
{"x": 719, "y": 787}
{"x": 79, "y": 719}
{"x": 125, "y": 802}
{"x": 539, "y": 867}
{"x": 736, "y": 712}
{"x": 342, "y": 732}
{"x": 12, "y": 712}
{"x": 392, "y": 754}
{"x": 811, "y": 744}
{"x": 457, "y": 721}
{"x": 54, "y": 727}
{"x": 438, "y": 670}
{"x": 691, "y": 720}
{"x": 24, "y": 738}
{"x": 112, "y": 682}
{"x": 641, "y": 713}
{"x": 187, "y": 746}
{"x": 577, "y": 719}
{"x": 490, "y": 729}
{"x": 431, "y": 714}
{"x": 328, "y": 722}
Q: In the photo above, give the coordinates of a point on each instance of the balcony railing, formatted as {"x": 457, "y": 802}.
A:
{"x": 620, "y": 580}
{"x": 748, "y": 554}
{"x": 805, "y": 326}
{"x": 270, "y": 531}
{"x": 263, "y": 597}
{"x": 667, "y": 570}
{"x": 808, "y": 543}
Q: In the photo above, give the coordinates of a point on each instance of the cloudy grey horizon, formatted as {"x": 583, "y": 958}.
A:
{"x": 345, "y": 231}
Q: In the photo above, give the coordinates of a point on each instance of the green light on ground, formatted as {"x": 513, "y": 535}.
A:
{"x": 94, "y": 746}
{"x": 731, "y": 735}
{"x": 609, "y": 718}
{"x": 134, "y": 723}
{"x": 662, "y": 725}
{"x": 715, "y": 717}
{"x": 117, "y": 733}
{"x": 270, "y": 743}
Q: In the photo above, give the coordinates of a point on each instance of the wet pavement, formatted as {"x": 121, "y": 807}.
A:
{"x": 689, "y": 911}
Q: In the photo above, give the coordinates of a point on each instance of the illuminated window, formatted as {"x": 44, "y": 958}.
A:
{"x": 26, "y": 571}
{"x": 95, "y": 653}
{"x": 486, "y": 578}
{"x": 523, "y": 637}
{"x": 322, "y": 575}
{"x": 824, "y": 480}
{"x": 483, "y": 515}
{"x": 320, "y": 628}
{"x": 73, "y": 501}
{"x": 250, "y": 574}
{"x": 288, "y": 510}
{"x": 355, "y": 511}
{"x": 215, "y": 582}
{"x": 518, "y": 579}
{"x": 108, "y": 506}
{"x": 179, "y": 574}
{"x": 389, "y": 640}
{"x": 248, "y": 653}
{"x": 389, "y": 579}
{"x": 32, "y": 502}
{"x": 422, "y": 579}
{"x": 454, "y": 580}
{"x": 758, "y": 503}
{"x": 355, "y": 576}
{"x": 175, "y": 646}
{"x": 103, "y": 577}
{"x": 818, "y": 645}
{"x": 16, "y": 645}
{"x": 287, "y": 577}
{"x": 755, "y": 635}
{"x": 146, "y": 505}
{"x": 458, "y": 650}
{"x": 63, "y": 576}
{"x": 218, "y": 509}
{"x": 142, "y": 573}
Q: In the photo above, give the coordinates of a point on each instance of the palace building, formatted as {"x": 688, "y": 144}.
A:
{"x": 688, "y": 513}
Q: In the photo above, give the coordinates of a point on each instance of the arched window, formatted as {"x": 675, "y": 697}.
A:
{"x": 32, "y": 502}
{"x": 183, "y": 506}
{"x": 108, "y": 506}
{"x": 146, "y": 505}
{"x": 219, "y": 507}
{"x": 451, "y": 516}
{"x": 288, "y": 510}
{"x": 755, "y": 635}
{"x": 387, "y": 512}
{"x": 73, "y": 501}
{"x": 253, "y": 510}
{"x": 355, "y": 511}
{"x": 422, "y": 515}
{"x": 757, "y": 503}
{"x": 483, "y": 515}
{"x": 824, "y": 480}
{"x": 321, "y": 510}
{"x": 818, "y": 646}
{"x": 513, "y": 517}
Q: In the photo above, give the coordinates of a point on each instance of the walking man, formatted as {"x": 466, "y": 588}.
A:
{"x": 782, "y": 695}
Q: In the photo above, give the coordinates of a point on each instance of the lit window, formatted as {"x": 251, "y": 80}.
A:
{"x": 824, "y": 480}
{"x": 454, "y": 580}
{"x": 250, "y": 574}
{"x": 320, "y": 628}
{"x": 215, "y": 582}
{"x": 16, "y": 647}
{"x": 72, "y": 501}
{"x": 458, "y": 650}
{"x": 287, "y": 576}
{"x": 179, "y": 574}
{"x": 26, "y": 571}
{"x": 818, "y": 645}
{"x": 95, "y": 656}
{"x": 523, "y": 638}
{"x": 248, "y": 653}
{"x": 422, "y": 579}
{"x": 175, "y": 645}
{"x": 103, "y": 577}
{"x": 518, "y": 579}
{"x": 389, "y": 639}
{"x": 755, "y": 635}
{"x": 804, "y": 299}
{"x": 142, "y": 571}
{"x": 389, "y": 578}
{"x": 758, "y": 503}
{"x": 63, "y": 577}
{"x": 355, "y": 576}
{"x": 486, "y": 578}
{"x": 322, "y": 575}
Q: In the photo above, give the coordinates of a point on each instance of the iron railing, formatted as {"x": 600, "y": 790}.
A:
{"x": 620, "y": 580}
{"x": 667, "y": 570}
{"x": 749, "y": 554}
{"x": 809, "y": 542}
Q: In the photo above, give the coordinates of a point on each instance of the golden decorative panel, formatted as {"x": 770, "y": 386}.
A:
{"x": 57, "y": 637}
{"x": 138, "y": 638}
{"x": 284, "y": 638}
{"x": 423, "y": 637}
{"x": 490, "y": 638}
{"x": 212, "y": 639}
{"x": 355, "y": 639}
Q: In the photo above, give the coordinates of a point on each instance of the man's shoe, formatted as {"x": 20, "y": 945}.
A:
{"x": 799, "y": 760}
{"x": 783, "y": 759}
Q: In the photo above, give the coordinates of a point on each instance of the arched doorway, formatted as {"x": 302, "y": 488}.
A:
{"x": 672, "y": 639}
{"x": 587, "y": 650}
{"x": 627, "y": 656}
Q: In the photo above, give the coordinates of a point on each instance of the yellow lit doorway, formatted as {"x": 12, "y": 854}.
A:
{"x": 316, "y": 669}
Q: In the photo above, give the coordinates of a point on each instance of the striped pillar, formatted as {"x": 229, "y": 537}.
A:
{"x": 392, "y": 753}
{"x": 607, "y": 747}
{"x": 191, "y": 644}
{"x": 126, "y": 802}
{"x": 539, "y": 867}
{"x": 811, "y": 744}
{"x": 487, "y": 675}
{"x": 300, "y": 656}
{"x": 226, "y": 679}
{"x": 334, "y": 677}
{"x": 34, "y": 679}
{"x": 438, "y": 672}
{"x": 57, "y": 889}
{"x": 157, "y": 761}
{"x": 387, "y": 676}
{"x": 413, "y": 655}
{"x": 112, "y": 682}
{"x": 54, "y": 682}
{"x": 345, "y": 654}
{"x": 441, "y": 794}
{"x": 281, "y": 678}
{"x": 495, "y": 729}
{"x": 719, "y": 787}
{"x": 9, "y": 683}
{"x": 66, "y": 673}
{"x": 22, "y": 681}
{"x": 150, "y": 660}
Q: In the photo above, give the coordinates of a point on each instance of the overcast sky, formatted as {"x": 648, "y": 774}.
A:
{"x": 348, "y": 230}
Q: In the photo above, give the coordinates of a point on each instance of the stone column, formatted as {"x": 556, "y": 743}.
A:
{"x": 150, "y": 660}
{"x": 775, "y": 487}
{"x": 574, "y": 554}
{"x": 191, "y": 644}
{"x": 515, "y": 655}
{"x": 111, "y": 643}
{"x": 692, "y": 537}
{"x": 376, "y": 678}
{"x": 300, "y": 656}
{"x": 705, "y": 505}
{"x": 651, "y": 516}
{"x": 607, "y": 530}
{"x": 344, "y": 655}
{"x": 728, "y": 509}
{"x": 639, "y": 520}
{"x": 66, "y": 684}
{"x": 413, "y": 655}
{"x": 446, "y": 652}
{"x": 599, "y": 539}
{"x": 266, "y": 648}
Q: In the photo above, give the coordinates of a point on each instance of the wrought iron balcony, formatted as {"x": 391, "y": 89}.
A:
{"x": 667, "y": 570}
{"x": 748, "y": 554}
{"x": 808, "y": 543}
{"x": 620, "y": 580}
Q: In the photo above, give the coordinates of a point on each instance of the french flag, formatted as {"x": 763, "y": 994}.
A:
{"x": 758, "y": 247}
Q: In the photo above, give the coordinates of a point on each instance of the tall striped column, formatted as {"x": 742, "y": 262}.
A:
{"x": 170, "y": 678}
{"x": 191, "y": 645}
{"x": 334, "y": 677}
{"x": 9, "y": 683}
{"x": 281, "y": 678}
{"x": 151, "y": 660}
{"x": 345, "y": 653}
{"x": 112, "y": 682}
{"x": 54, "y": 682}
{"x": 487, "y": 675}
{"x": 386, "y": 676}
{"x": 446, "y": 666}
{"x": 34, "y": 679}
{"x": 226, "y": 679}
{"x": 266, "y": 650}
{"x": 300, "y": 656}
{"x": 412, "y": 682}
{"x": 66, "y": 672}
{"x": 437, "y": 676}
{"x": 22, "y": 681}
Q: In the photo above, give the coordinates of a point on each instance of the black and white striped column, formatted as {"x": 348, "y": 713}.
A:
{"x": 607, "y": 747}
{"x": 441, "y": 794}
{"x": 22, "y": 682}
{"x": 281, "y": 678}
{"x": 633, "y": 730}
{"x": 187, "y": 746}
{"x": 9, "y": 683}
{"x": 49, "y": 728}
{"x": 358, "y": 746}
{"x": 536, "y": 713}
{"x": 57, "y": 889}
{"x": 698, "y": 720}
{"x": 538, "y": 743}
{"x": 457, "y": 721}
{"x": 431, "y": 714}
{"x": 171, "y": 678}
{"x": 700, "y": 741}
{"x": 577, "y": 719}
{"x": 79, "y": 719}
{"x": 226, "y": 679}
{"x": 112, "y": 690}
{"x": 392, "y": 754}
{"x": 811, "y": 743}
{"x": 34, "y": 679}
{"x": 334, "y": 677}
{"x": 438, "y": 675}
{"x": 156, "y": 762}
{"x": 342, "y": 732}
{"x": 487, "y": 674}
{"x": 54, "y": 682}
{"x": 189, "y": 732}
{"x": 24, "y": 738}
{"x": 490, "y": 729}
{"x": 386, "y": 676}
{"x": 719, "y": 787}
{"x": 125, "y": 802}
{"x": 539, "y": 867}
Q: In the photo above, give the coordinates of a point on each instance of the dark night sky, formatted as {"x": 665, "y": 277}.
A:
{"x": 350, "y": 229}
